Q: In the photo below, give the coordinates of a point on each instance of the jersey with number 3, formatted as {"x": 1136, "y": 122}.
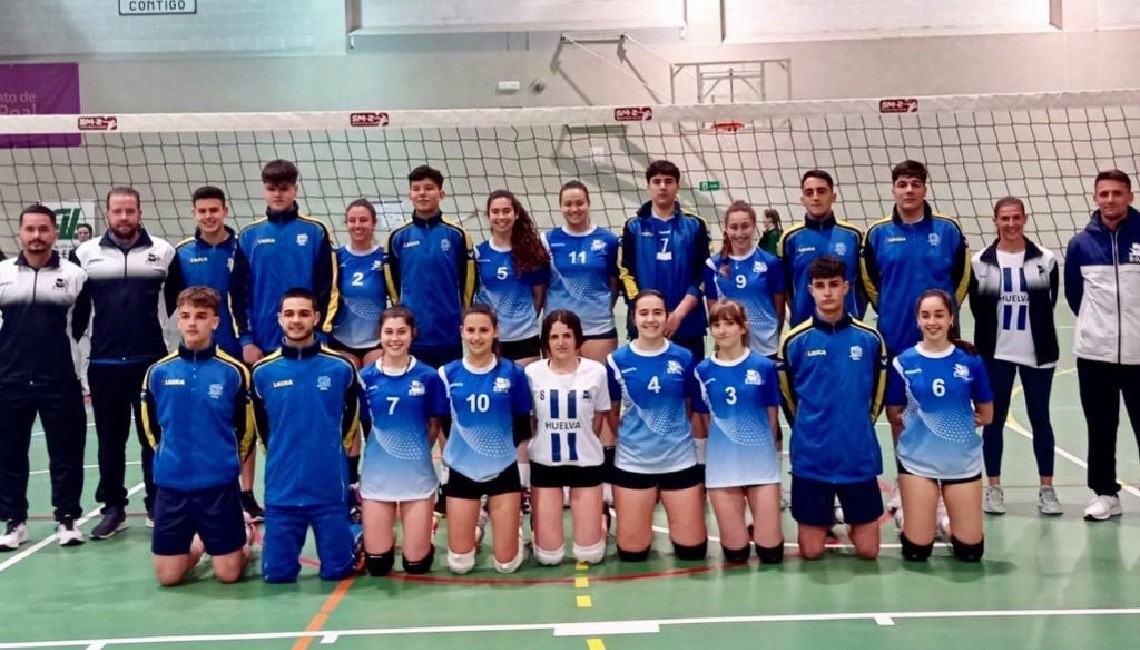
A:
{"x": 737, "y": 394}
{"x": 483, "y": 404}
{"x": 364, "y": 296}
{"x": 564, "y": 408}
{"x": 581, "y": 268}
{"x": 939, "y": 390}
{"x": 654, "y": 436}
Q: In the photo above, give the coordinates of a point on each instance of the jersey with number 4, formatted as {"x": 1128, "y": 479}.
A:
{"x": 483, "y": 403}
{"x": 564, "y": 408}
{"x": 737, "y": 394}
{"x": 654, "y": 436}
{"x": 364, "y": 296}
{"x": 581, "y": 268}
{"x": 938, "y": 390}
{"x": 397, "y": 464}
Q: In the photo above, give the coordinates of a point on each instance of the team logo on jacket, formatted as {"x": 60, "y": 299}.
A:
{"x": 214, "y": 391}
{"x": 752, "y": 378}
{"x": 502, "y": 385}
{"x": 840, "y": 248}
{"x": 377, "y": 265}
{"x": 416, "y": 389}
{"x": 60, "y": 283}
{"x": 674, "y": 368}
{"x": 1134, "y": 253}
{"x": 324, "y": 382}
{"x": 177, "y": 381}
{"x": 445, "y": 245}
{"x": 933, "y": 239}
{"x": 597, "y": 245}
{"x": 152, "y": 258}
{"x": 302, "y": 239}
{"x": 856, "y": 353}
{"x": 759, "y": 267}
{"x": 961, "y": 372}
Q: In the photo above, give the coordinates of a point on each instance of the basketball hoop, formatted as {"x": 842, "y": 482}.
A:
{"x": 727, "y": 126}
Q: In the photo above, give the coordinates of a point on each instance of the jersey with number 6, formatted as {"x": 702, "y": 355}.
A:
{"x": 564, "y": 408}
{"x": 737, "y": 394}
{"x": 654, "y": 436}
{"x": 483, "y": 404}
{"x": 939, "y": 390}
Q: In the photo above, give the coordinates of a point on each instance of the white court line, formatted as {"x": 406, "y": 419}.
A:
{"x": 44, "y": 543}
{"x": 40, "y": 472}
{"x": 573, "y": 629}
{"x": 883, "y": 619}
{"x": 607, "y": 627}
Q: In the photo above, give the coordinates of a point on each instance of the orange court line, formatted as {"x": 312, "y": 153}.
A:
{"x": 331, "y": 603}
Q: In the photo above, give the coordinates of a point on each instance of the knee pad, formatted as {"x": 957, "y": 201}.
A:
{"x": 736, "y": 555}
{"x": 967, "y": 552}
{"x": 770, "y": 554}
{"x": 420, "y": 566}
{"x": 380, "y": 564}
{"x": 632, "y": 556}
{"x": 513, "y": 565}
{"x": 912, "y": 552}
{"x": 592, "y": 554}
{"x": 549, "y": 558}
{"x": 461, "y": 563}
{"x": 691, "y": 553}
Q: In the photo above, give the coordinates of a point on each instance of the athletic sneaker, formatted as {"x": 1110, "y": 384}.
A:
{"x": 838, "y": 514}
{"x": 253, "y": 512}
{"x": 895, "y": 502}
{"x": 113, "y": 521}
{"x": 993, "y": 500}
{"x": 67, "y": 532}
{"x": 943, "y": 521}
{"x": 1047, "y": 502}
{"x": 783, "y": 499}
{"x": 481, "y": 526}
{"x": 525, "y": 505}
{"x": 15, "y": 534}
{"x": 1102, "y": 507}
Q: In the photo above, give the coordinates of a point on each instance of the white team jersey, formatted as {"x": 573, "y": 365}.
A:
{"x": 564, "y": 408}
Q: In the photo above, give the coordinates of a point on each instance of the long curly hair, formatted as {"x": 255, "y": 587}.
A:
{"x": 527, "y": 252}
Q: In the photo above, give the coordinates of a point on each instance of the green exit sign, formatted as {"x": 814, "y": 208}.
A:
{"x": 709, "y": 186}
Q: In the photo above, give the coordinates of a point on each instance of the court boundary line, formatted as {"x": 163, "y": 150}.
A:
{"x": 587, "y": 628}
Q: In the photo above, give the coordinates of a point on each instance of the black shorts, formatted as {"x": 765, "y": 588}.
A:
{"x": 572, "y": 476}
{"x": 941, "y": 481}
{"x": 680, "y": 480}
{"x": 813, "y": 502}
{"x": 437, "y": 356}
{"x": 521, "y": 349}
{"x": 356, "y": 352}
{"x": 612, "y": 334}
{"x": 213, "y": 513}
{"x": 460, "y": 486}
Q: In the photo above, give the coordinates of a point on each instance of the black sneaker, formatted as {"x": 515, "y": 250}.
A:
{"x": 114, "y": 520}
{"x": 253, "y": 512}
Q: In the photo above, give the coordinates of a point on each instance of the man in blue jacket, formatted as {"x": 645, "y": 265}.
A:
{"x": 198, "y": 420}
{"x": 306, "y": 399}
{"x": 1102, "y": 286}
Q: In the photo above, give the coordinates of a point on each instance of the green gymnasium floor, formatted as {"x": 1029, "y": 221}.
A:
{"x": 1056, "y": 582}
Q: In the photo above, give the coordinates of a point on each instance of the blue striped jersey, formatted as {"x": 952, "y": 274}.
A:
{"x": 564, "y": 409}
{"x": 483, "y": 403}
{"x": 737, "y": 395}
{"x": 654, "y": 436}
{"x": 397, "y": 463}
{"x": 753, "y": 281}
{"x": 507, "y": 292}
{"x": 363, "y": 297}
{"x": 939, "y": 390}
{"x": 582, "y": 267}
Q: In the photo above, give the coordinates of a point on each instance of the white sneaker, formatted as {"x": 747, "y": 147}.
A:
{"x": 784, "y": 498}
{"x": 942, "y": 520}
{"x": 1101, "y": 507}
{"x": 993, "y": 500}
{"x": 1047, "y": 501}
{"x": 481, "y": 526}
{"x": 838, "y": 514}
{"x": 68, "y": 534}
{"x": 15, "y": 534}
{"x": 895, "y": 502}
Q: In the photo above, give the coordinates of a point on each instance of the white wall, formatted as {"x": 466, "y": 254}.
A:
{"x": 482, "y": 15}
{"x": 1113, "y": 13}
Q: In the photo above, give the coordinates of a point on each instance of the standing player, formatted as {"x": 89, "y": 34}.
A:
{"x": 431, "y": 247}
{"x": 1103, "y": 290}
{"x": 362, "y": 290}
{"x": 821, "y": 233}
{"x": 664, "y": 248}
{"x": 939, "y": 394}
{"x": 514, "y": 272}
{"x": 750, "y": 276}
{"x": 284, "y": 250}
{"x": 405, "y": 399}
{"x": 572, "y": 399}
{"x": 82, "y": 350}
{"x": 307, "y": 402}
{"x": 1013, "y": 290}
{"x": 210, "y": 259}
{"x": 199, "y": 422}
{"x": 37, "y": 290}
{"x": 740, "y": 392}
{"x": 126, "y": 268}
{"x": 832, "y": 375}
{"x": 583, "y": 268}
{"x": 656, "y": 453}
{"x": 489, "y": 419}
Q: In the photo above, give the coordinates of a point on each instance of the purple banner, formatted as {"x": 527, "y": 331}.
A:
{"x": 39, "y": 89}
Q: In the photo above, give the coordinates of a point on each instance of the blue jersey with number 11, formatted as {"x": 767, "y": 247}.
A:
{"x": 483, "y": 404}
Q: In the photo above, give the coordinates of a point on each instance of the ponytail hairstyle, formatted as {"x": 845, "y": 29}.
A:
{"x": 479, "y": 309}
{"x": 527, "y": 252}
{"x": 726, "y": 248}
{"x": 954, "y": 335}
{"x": 733, "y": 312}
{"x": 574, "y": 185}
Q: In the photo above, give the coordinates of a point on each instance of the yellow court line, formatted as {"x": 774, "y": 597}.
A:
{"x": 582, "y": 582}
{"x": 585, "y": 601}
{"x": 595, "y": 644}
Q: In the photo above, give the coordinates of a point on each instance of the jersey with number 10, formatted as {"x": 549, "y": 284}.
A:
{"x": 483, "y": 404}
{"x": 654, "y": 436}
{"x": 737, "y": 394}
{"x": 939, "y": 390}
{"x": 581, "y": 267}
{"x": 564, "y": 408}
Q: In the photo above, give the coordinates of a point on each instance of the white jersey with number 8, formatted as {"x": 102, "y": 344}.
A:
{"x": 564, "y": 408}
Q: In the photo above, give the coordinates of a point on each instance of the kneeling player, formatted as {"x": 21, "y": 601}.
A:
{"x": 197, "y": 417}
{"x": 939, "y": 393}
{"x": 833, "y": 380}
{"x": 307, "y": 402}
